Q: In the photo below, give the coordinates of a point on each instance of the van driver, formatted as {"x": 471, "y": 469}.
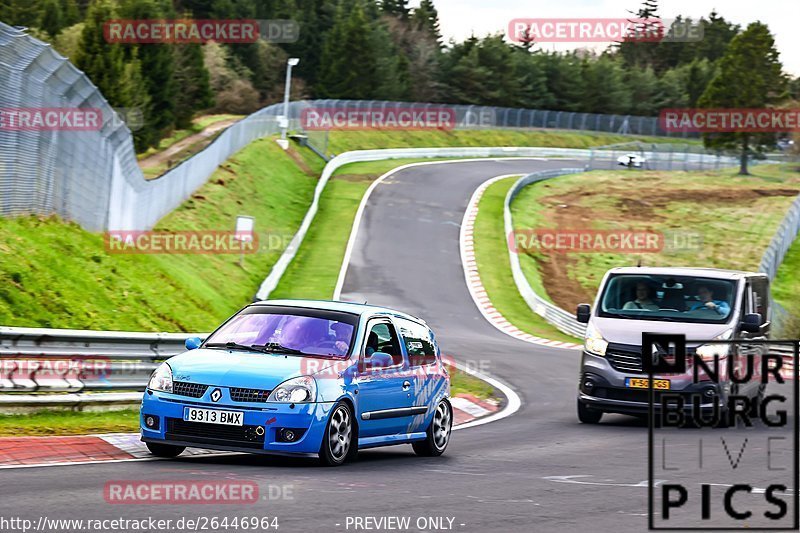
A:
{"x": 707, "y": 300}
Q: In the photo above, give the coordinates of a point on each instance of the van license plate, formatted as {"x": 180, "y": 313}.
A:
{"x": 643, "y": 383}
{"x": 213, "y": 416}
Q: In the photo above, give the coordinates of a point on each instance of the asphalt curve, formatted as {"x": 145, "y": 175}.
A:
{"x": 511, "y": 475}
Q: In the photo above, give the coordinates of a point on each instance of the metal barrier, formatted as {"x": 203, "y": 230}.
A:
{"x": 36, "y": 360}
{"x": 93, "y": 178}
{"x": 563, "y": 320}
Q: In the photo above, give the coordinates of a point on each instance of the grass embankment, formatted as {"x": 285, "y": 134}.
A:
{"x": 69, "y": 423}
{"x": 732, "y": 219}
{"x": 55, "y": 274}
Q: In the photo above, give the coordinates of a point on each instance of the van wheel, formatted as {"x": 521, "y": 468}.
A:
{"x": 164, "y": 450}
{"x": 438, "y": 434}
{"x": 587, "y": 415}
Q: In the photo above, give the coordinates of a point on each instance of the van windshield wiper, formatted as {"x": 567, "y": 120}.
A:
{"x": 235, "y": 346}
{"x": 276, "y": 347}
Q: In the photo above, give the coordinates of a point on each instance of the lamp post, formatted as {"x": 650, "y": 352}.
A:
{"x": 292, "y": 61}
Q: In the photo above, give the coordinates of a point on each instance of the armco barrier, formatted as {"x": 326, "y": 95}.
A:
{"x": 565, "y": 321}
{"x": 560, "y": 318}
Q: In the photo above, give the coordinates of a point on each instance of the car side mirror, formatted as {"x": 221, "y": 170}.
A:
{"x": 751, "y": 323}
{"x": 583, "y": 313}
{"x": 193, "y": 343}
{"x": 377, "y": 361}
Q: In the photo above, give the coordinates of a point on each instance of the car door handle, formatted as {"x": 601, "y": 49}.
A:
{"x": 406, "y": 385}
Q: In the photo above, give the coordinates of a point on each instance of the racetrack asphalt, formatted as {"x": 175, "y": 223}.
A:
{"x": 512, "y": 475}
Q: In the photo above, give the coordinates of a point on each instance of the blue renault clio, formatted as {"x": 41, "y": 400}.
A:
{"x": 300, "y": 377}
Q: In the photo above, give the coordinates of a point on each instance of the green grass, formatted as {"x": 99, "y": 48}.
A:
{"x": 314, "y": 271}
{"x": 463, "y": 383}
{"x": 342, "y": 141}
{"x": 786, "y": 288}
{"x": 734, "y": 217}
{"x": 69, "y": 423}
{"x": 491, "y": 254}
{"x": 55, "y": 274}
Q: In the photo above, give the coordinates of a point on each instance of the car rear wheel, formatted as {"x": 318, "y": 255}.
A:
{"x": 164, "y": 450}
{"x": 438, "y": 434}
{"x": 587, "y": 415}
{"x": 338, "y": 440}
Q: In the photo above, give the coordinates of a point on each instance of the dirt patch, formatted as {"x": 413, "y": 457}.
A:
{"x": 301, "y": 163}
{"x": 574, "y": 211}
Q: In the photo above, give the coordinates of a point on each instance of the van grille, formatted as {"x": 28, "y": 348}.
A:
{"x": 625, "y": 358}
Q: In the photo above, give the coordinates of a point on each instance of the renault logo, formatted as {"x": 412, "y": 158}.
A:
{"x": 216, "y": 394}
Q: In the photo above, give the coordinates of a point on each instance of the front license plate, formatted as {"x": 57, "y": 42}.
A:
{"x": 642, "y": 383}
{"x": 213, "y": 416}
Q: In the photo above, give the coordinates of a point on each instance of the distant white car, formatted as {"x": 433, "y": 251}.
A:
{"x": 631, "y": 160}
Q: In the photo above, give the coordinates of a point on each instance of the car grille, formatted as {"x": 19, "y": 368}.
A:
{"x": 200, "y": 433}
{"x": 625, "y": 358}
{"x": 192, "y": 390}
{"x": 249, "y": 395}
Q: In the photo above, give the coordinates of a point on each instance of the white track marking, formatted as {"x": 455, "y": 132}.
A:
{"x": 473, "y": 279}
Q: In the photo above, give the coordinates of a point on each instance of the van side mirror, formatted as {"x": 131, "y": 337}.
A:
{"x": 751, "y": 323}
{"x": 583, "y": 313}
{"x": 193, "y": 343}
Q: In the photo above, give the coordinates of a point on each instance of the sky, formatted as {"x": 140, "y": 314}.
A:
{"x": 460, "y": 18}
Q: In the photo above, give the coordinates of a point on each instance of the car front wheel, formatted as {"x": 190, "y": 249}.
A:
{"x": 438, "y": 434}
{"x": 164, "y": 450}
{"x": 338, "y": 440}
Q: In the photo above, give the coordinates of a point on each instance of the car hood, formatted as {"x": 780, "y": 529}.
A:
{"x": 243, "y": 369}
{"x": 625, "y": 331}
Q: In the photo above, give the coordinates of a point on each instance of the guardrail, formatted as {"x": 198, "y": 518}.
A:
{"x": 34, "y": 361}
{"x": 556, "y": 316}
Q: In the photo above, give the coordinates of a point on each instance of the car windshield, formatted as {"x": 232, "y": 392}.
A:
{"x": 286, "y": 333}
{"x": 668, "y": 298}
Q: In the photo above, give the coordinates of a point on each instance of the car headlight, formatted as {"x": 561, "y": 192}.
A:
{"x": 302, "y": 389}
{"x": 715, "y": 352}
{"x": 161, "y": 379}
{"x": 595, "y": 343}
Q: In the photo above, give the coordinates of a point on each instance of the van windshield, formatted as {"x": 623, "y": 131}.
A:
{"x": 668, "y": 298}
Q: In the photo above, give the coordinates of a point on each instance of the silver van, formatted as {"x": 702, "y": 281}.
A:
{"x": 702, "y": 303}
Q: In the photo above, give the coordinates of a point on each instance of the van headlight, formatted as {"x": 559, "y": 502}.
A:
{"x": 595, "y": 343}
{"x": 715, "y": 352}
{"x": 302, "y": 389}
{"x": 161, "y": 379}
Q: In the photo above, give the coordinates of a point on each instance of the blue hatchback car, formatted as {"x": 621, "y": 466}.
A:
{"x": 300, "y": 377}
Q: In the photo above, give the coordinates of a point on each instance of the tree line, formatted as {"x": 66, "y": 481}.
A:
{"x": 371, "y": 49}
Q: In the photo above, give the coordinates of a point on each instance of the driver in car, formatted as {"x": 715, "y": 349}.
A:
{"x": 707, "y": 301}
{"x": 644, "y": 298}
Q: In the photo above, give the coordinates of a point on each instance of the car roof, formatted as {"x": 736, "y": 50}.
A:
{"x": 355, "y": 308}
{"x": 701, "y": 272}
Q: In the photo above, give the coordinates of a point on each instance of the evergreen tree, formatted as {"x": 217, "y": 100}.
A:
{"x": 158, "y": 63}
{"x": 52, "y": 18}
{"x": 750, "y": 76}
{"x": 192, "y": 78}
{"x": 426, "y": 18}
{"x": 348, "y": 61}
{"x": 134, "y": 96}
{"x": 101, "y": 61}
